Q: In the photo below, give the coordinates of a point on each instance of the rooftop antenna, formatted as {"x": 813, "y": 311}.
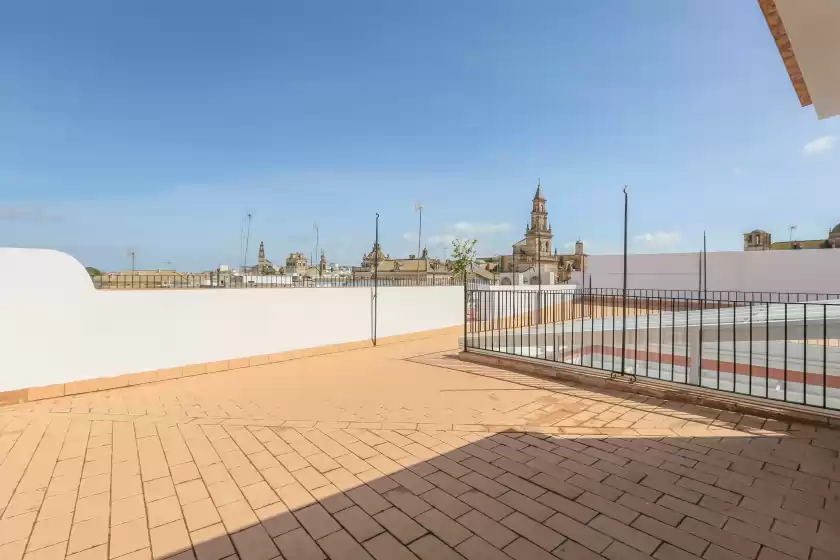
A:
{"x": 247, "y": 240}
{"x": 317, "y": 241}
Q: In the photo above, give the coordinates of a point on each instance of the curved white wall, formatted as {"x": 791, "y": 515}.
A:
{"x": 56, "y": 328}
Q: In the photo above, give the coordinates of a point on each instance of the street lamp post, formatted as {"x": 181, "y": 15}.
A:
{"x": 624, "y": 289}
{"x": 376, "y": 278}
{"x": 419, "y": 208}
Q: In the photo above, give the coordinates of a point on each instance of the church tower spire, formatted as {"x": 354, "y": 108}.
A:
{"x": 539, "y": 232}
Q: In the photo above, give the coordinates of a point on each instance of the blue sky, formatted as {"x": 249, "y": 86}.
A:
{"x": 155, "y": 126}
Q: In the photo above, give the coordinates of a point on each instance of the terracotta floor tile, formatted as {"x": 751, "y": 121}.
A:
{"x": 259, "y": 494}
{"x": 163, "y": 511}
{"x": 298, "y": 545}
{"x": 95, "y": 485}
{"x": 184, "y": 473}
{"x": 53, "y": 552}
{"x": 158, "y": 489}
{"x": 386, "y": 547}
{"x": 50, "y": 532}
{"x": 341, "y": 546}
{"x": 237, "y": 516}
{"x": 400, "y": 525}
{"x": 88, "y": 534}
{"x": 317, "y": 521}
{"x": 212, "y": 543}
{"x": 13, "y": 550}
{"x": 57, "y": 505}
{"x": 16, "y": 528}
{"x": 128, "y": 538}
{"x": 25, "y": 501}
{"x": 97, "y": 505}
{"x": 144, "y": 554}
{"x": 191, "y": 491}
{"x": 358, "y": 523}
{"x": 123, "y": 486}
{"x": 224, "y": 493}
{"x": 96, "y": 553}
{"x": 254, "y": 543}
{"x": 168, "y": 540}
{"x": 277, "y": 519}
{"x": 128, "y": 509}
{"x": 200, "y": 514}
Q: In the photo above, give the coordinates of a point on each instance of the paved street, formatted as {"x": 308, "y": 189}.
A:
{"x": 402, "y": 451}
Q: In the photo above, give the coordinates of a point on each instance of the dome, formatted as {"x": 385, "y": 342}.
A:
{"x": 836, "y": 229}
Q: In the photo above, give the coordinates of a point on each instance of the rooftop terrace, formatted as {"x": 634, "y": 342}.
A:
{"x": 403, "y": 451}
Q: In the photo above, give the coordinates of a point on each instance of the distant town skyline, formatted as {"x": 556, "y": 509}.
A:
{"x": 119, "y": 135}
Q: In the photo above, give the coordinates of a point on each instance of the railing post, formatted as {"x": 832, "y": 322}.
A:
{"x": 695, "y": 356}
{"x": 466, "y": 313}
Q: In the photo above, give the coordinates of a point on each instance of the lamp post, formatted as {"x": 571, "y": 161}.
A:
{"x": 419, "y": 208}
{"x": 624, "y": 288}
{"x": 376, "y": 277}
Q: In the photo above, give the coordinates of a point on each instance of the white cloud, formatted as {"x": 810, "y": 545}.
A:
{"x": 445, "y": 239}
{"x": 658, "y": 239}
{"x": 571, "y": 244}
{"x": 819, "y": 146}
{"x": 22, "y": 214}
{"x": 471, "y": 227}
{"x": 464, "y": 230}
{"x": 411, "y": 236}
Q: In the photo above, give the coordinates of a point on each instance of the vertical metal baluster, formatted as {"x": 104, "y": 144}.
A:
{"x": 574, "y": 318}
{"x": 767, "y": 351}
{"x": 786, "y": 353}
{"x": 734, "y": 347}
{"x": 545, "y": 313}
{"x": 702, "y": 305}
{"x": 825, "y": 355}
{"x": 673, "y": 336}
{"x": 554, "y": 324}
{"x": 522, "y": 323}
{"x": 647, "y": 336}
{"x": 687, "y": 311}
{"x": 507, "y": 306}
{"x": 612, "y": 337}
{"x": 659, "y": 344}
{"x": 805, "y": 353}
{"x": 718, "y": 344}
{"x": 602, "y": 312}
{"x": 563, "y": 298}
{"x": 749, "y": 361}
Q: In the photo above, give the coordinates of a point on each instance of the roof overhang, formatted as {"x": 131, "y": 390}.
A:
{"x": 806, "y": 34}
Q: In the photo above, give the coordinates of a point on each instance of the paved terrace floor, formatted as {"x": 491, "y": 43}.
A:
{"x": 404, "y": 452}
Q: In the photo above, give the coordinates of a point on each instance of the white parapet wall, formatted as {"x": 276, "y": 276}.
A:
{"x": 803, "y": 271}
{"x": 55, "y": 327}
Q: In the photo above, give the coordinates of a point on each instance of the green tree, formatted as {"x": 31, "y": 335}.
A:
{"x": 93, "y": 271}
{"x": 463, "y": 257}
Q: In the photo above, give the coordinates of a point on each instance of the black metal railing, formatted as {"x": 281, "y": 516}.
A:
{"x": 717, "y": 295}
{"x": 222, "y": 281}
{"x": 788, "y": 351}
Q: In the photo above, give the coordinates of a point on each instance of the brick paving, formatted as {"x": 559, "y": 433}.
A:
{"x": 403, "y": 451}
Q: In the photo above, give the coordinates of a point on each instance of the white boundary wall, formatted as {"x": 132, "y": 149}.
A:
{"x": 56, "y": 328}
{"x": 803, "y": 271}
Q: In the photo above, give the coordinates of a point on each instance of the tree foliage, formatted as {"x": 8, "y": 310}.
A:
{"x": 463, "y": 257}
{"x": 93, "y": 271}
